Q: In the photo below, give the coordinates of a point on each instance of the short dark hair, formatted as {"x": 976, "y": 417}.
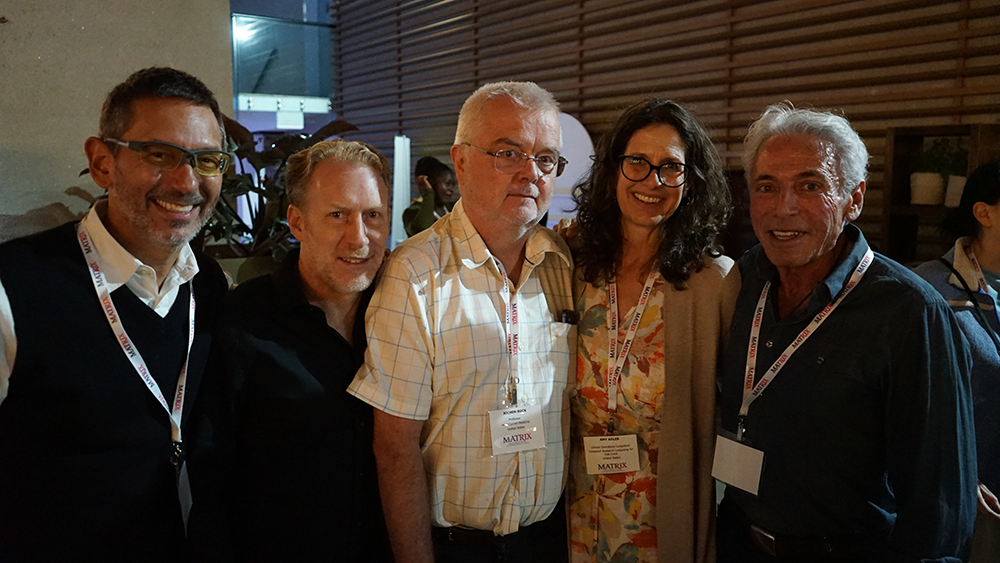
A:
{"x": 432, "y": 168}
{"x": 983, "y": 185}
{"x": 693, "y": 229}
{"x": 154, "y": 82}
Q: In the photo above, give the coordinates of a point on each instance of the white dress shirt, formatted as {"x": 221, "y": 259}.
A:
{"x": 120, "y": 268}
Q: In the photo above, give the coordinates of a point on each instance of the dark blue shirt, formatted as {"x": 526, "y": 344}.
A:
{"x": 869, "y": 424}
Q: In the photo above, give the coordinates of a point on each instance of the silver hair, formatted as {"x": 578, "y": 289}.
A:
{"x": 785, "y": 119}
{"x": 527, "y": 95}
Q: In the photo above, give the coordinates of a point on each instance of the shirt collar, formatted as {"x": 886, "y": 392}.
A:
{"x": 118, "y": 264}
{"x": 835, "y": 280}
{"x": 290, "y": 294}
{"x": 473, "y": 253}
{"x": 962, "y": 264}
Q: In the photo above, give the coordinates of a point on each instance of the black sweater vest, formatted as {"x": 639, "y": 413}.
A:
{"x": 85, "y": 448}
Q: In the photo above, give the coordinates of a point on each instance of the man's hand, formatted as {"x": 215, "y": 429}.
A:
{"x": 988, "y": 503}
{"x": 403, "y": 487}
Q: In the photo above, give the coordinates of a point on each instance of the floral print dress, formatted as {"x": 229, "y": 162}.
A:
{"x": 612, "y": 517}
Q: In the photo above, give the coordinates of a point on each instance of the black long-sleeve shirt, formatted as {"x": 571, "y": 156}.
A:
{"x": 869, "y": 425}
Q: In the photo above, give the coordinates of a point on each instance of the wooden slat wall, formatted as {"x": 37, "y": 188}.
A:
{"x": 406, "y": 66}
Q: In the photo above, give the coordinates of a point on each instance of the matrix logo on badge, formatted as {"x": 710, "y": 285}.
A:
{"x": 612, "y": 466}
{"x": 517, "y": 438}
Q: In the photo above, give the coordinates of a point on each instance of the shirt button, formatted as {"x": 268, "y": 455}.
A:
{"x": 819, "y": 360}
{"x": 769, "y": 344}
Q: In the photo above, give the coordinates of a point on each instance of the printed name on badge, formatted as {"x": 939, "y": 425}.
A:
{"x": 516, "y": 429}
{"x": 611, "y": 454}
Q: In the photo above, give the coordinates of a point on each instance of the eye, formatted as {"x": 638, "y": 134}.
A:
{"x": 812, "y": 187}
{"x": 763, "y": 188}
{"x": 546, "y": 159}
{"x": 508, "y": 154}
{"x": 674, "y": 167}
{"x": 336, "y": 214}
{"x": 374, "y": 214}
{"x": 635, "y": 160}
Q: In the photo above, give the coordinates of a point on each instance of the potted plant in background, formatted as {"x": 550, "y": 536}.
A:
{"x": 932, "y": 167}
{"x": 253, "y": 245}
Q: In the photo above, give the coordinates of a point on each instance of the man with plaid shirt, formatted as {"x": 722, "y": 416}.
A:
{"x": 471, "y": 348}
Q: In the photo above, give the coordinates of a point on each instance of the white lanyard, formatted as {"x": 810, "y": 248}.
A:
{"x": 616, "y": 361}
{"x": 751, "y": 392}
{"x": 101, "y": 286}
{"x": 511, "y": 325}
{"x": 980, "y": 278}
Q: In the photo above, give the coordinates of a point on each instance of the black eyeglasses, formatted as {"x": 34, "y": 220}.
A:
{"x": 510, "y": 161}
{"x": 637, "y": 169}
{"x": 167, "y": 157}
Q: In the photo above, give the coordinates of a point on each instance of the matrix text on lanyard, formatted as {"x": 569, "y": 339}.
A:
{"x": 131, "y": 352}
{"x": 511, "y": 324}
{"x": 616, "y": 361}
{"x": 751, "y": 392}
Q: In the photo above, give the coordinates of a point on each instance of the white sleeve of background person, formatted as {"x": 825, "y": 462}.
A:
{"x": 8, "y": 342}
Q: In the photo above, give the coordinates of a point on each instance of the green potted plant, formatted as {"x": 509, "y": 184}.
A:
{"x": 932, "y": 167}
{"x": 260, "y": 241}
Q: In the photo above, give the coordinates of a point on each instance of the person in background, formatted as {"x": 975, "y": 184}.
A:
{"x": 846, "y": 408}
{"x": 438, "y": 194}
{"x": 968, "y": 277}
{"x": 105, "y": 327}
{"x": 655, "y": 298}
{"x": 470, "y": 348}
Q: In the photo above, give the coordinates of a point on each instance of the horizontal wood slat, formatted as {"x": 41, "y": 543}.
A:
{"x": 406, "y": 66}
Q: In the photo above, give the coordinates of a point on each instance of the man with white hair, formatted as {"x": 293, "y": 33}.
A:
{"x": 470, "y": 350}
{"x": 846, "y": 409}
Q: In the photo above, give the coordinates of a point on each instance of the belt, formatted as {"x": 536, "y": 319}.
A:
{"x": 468, "y": 536}
{"x": 794, "y": 546}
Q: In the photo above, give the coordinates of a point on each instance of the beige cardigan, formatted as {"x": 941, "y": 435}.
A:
{"x": 696, "y": 325}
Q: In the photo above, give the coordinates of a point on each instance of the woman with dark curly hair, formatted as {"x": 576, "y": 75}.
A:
{"x": 645, "y": 245}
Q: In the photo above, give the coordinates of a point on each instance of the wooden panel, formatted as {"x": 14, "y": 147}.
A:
{"x": 405, "y": 67}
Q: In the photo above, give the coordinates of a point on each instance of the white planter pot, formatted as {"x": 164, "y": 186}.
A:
{"x": 953, "y": 196}
{"x": 926, "y": 188}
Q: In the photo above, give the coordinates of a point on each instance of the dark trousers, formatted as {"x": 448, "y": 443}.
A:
{"x": 541, "y": 542}
{"x": 733, "y": 543}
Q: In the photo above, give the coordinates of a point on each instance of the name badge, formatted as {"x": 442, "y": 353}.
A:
{"x": 737, "y": 464}
{"x": 516, "y": 429}
{"x": 611, "y": 454}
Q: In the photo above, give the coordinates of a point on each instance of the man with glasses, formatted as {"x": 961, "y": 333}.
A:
{"x": 470, "y": 351}
{"x": 105, "y": 329}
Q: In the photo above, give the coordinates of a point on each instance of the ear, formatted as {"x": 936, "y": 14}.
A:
{"x": 857, "y": 202}
{"x": 984, "y": 213}
{"x": 100, "y": 162}
{"x": 296, "y": 222}
{"x": 458, "y": 159}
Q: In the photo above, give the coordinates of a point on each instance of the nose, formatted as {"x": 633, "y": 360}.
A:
{"x": 530, "y": 171}
{"x": 356, "y": 233}
{"x": 788, "y": 202}
{"x": 183, "y": 179}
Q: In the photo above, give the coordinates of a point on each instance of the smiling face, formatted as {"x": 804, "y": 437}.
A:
{"x": 645, "y": 205}
{"x": 151, "y": 210}
{"x": 342, "y": 226}
{"x": 797, "y": 203}
{"x": 499, "y": 204}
